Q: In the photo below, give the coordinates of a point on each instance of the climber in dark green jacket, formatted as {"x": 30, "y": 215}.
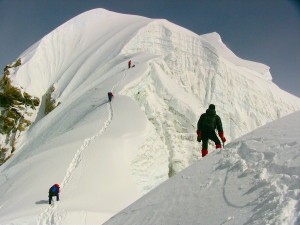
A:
{"x": 207, "y": 124}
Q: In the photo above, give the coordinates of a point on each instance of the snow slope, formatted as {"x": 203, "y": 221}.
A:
{"x": 105, "y": 156}
{"x": 254, "y": 180}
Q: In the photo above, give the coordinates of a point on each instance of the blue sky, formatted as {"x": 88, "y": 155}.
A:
{"x": 266, "y": 31}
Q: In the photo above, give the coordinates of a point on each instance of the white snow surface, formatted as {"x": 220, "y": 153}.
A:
{"x": 107, "y": 155}
{"x": 253, "y": 180}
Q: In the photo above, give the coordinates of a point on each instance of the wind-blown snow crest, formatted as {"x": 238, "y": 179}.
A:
{"x": 104, "y": 157}
{"x": 75, "y": 53}
{"x": 253, "y": 68}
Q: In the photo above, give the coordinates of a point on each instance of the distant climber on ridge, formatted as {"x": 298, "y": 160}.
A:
{"x": 129, "y": 64}
{"x": 110, "y": 96}
{"x": 54, "y": 191}
{"x": 207, "y": 124}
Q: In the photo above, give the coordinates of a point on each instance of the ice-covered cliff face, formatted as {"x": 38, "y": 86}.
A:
{"x": 204, "y": 68}
{"x": 190, "y": 72}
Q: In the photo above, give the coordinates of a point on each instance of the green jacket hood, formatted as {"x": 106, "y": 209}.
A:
{"x": 211, "y": 112}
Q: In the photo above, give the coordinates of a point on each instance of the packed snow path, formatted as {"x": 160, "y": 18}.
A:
{"x": 50, "y": 216}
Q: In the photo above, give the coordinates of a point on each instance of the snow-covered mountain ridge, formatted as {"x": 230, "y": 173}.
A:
{"x": 148, "y": 132}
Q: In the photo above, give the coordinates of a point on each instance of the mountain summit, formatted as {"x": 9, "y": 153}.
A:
{"x": 107, "y": 155}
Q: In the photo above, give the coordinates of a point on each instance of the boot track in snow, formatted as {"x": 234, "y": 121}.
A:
{"x": 48, "y": 216}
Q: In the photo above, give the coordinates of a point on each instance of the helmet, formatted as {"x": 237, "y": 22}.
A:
{"x": 57, "y": 185}
{"x": 212, "y": 106}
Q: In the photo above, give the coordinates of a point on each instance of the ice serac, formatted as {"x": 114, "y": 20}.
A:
{"x": 115, "y": 153}
{"x": 190, "y": 72}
